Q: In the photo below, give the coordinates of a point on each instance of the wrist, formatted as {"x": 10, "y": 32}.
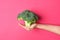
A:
{"x": 41, "y": 26}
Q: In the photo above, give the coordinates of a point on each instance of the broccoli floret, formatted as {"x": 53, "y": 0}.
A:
{"x": 28, "y": 16}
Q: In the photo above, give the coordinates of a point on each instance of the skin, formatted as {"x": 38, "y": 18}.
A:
{"x": 50, "y": 28}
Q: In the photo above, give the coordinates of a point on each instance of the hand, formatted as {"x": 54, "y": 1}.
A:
{"x": 28, "y": 28}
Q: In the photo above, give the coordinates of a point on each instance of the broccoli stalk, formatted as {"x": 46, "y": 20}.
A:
{"x": 27, "y": 23}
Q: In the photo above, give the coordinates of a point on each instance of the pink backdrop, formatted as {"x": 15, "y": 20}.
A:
{"x": 49, "y": 10}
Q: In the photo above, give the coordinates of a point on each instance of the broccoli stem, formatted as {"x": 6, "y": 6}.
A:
{"x": 27, "y": 23}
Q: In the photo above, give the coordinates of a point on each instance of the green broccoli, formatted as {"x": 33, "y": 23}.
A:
{"x": 28, "y": 17}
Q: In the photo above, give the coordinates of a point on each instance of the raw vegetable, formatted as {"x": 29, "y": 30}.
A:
{"x": 28, "y": 17}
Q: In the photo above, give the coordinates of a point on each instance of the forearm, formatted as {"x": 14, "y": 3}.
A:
{"x": 51, "y": 28}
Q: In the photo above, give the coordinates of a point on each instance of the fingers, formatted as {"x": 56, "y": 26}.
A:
{"x": 21, "y": 25}
{"x": 27, "y": 28}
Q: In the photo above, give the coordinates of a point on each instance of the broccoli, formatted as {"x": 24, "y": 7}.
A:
{"x": 28, "y": 17}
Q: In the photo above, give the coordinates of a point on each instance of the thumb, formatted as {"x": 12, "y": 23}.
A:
{"x": 33, "y": 26}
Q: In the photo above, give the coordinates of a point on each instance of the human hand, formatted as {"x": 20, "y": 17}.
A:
{"x": 28, "y": 28}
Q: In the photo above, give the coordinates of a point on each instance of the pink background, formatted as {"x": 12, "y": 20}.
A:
{"x": 49, "y": 10}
